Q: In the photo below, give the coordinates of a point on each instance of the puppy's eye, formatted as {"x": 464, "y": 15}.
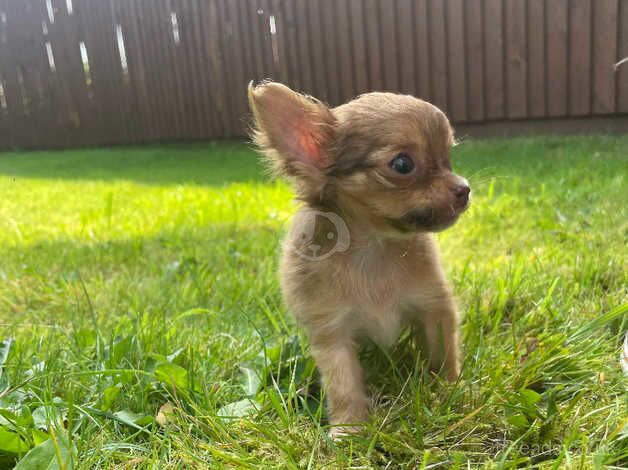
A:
{"x": 402, "y": 163}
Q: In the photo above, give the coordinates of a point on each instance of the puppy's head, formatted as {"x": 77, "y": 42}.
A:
{"x": 383, "y": 157}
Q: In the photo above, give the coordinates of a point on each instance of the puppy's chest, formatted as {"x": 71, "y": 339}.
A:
{"x": 379, "y": 290}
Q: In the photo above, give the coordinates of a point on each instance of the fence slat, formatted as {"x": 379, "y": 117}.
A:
{"x": 580, "y": 57}
{"x": 457, "y": 72}
{"x": 406, "y": 47}
{"x": 622, "y": 75}
{"x": 475, "y": 59}
{"x": 438, "y": 53}
{"x": 19, "y": 130}
{"x": 305, "y": 54}
{"x": 604, "y": 55}
{"x": 291, "y": 44}
{"x": 422, "y": 40}
{"x": 517, "y": 66}
{"x": 358, "y": 42}
{"x": 493, "y": 59}
{"x": 330, "y": 47}
{"x": 7, "y": 118}
{"x": 388, "y": 36}
{"x": 345, "y": 56}
{"x": 537, "y": 82}
{"x": 320, "y": 89}
{"x": 557, "y": 57}
{"x": 374, "y": 45}
{"x": 129, "y": 97}
{"x": 279, "y": 41}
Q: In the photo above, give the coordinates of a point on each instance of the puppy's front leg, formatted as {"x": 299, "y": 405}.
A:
{"x": 338, "y": 362}
{"x": 440, "y": 322}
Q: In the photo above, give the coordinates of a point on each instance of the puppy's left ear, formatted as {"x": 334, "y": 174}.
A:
{"x": 296, "y": 132}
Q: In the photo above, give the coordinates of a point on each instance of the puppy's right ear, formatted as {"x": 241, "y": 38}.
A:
{"x": 294, "y": 131}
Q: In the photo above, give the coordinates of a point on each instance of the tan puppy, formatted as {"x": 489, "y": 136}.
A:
{"x": 360, "y": 261}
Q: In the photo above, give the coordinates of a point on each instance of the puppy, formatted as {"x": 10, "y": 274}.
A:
{"x": 375, "y": 181}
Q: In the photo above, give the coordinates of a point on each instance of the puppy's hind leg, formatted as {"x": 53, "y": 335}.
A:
{"x": 337, "y": 360}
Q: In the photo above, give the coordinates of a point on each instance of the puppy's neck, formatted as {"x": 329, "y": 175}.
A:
{"x": 365, "y": 233}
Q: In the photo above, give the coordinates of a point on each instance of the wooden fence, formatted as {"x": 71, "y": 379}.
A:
{"x": 93, "y": 72}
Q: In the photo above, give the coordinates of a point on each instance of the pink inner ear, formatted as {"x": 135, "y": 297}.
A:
{"x": 307, "y": 149}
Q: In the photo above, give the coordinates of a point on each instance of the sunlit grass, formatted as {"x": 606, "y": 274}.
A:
{"x": 135, "y": 278}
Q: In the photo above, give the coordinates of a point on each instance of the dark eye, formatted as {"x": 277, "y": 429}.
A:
{"x": 402, "y": 163}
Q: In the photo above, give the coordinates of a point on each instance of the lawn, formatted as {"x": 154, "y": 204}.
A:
{"x": 143, "y": 325}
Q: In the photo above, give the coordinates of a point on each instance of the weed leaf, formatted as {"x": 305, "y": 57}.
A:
{"x": 238, "y": 409}
{"x": 171, "y": 374}
{"x": 11, "y": 442}
{"x": 46, "y": 456}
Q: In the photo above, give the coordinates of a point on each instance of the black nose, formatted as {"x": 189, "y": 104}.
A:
{"x": 461, "y": 193}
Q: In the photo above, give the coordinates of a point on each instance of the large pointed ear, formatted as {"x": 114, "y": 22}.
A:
{"x": 295, "y": 131}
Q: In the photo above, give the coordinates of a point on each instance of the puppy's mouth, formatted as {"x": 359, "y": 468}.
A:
{"x": 427, "y": 219}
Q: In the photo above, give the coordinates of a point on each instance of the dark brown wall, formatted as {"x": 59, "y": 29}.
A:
{"x": 480, "y": 60}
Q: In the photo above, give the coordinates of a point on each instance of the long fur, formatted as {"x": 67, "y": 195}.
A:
{"x": 388, "y": 274}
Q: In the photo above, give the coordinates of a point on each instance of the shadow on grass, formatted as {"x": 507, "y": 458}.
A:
{"x": 212, "y": 163}
{"x": 223, "y": 267}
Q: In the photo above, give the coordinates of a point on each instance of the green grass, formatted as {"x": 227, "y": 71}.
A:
{"x": 137, "y": 278}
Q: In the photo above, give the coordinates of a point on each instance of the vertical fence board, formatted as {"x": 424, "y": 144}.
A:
{"x": 184, "y": 66}
{"x": 388, "y": 25}
{"x": 517, "y": 66}
{"x": 143, "y": 123}
{"x": 345, "y": 56}
{"x": 133, "y": 120}
{"x": 494, "y": 59}
{"x": 229, "y": 66}
{"x": 167, "y": 71}
{"x": 7, "y": 120}
{"x": 291, "y": 44}
{"x": 205, "y": 90}
{"x": 406, "y": 46}
{"x": 438, "y": 53}
{"x": 330, "y": 46}
{"x": 162, "y": 119}
{"x": 255, "y": 16}
{"x": 358, "y": 42}
{"x": 604, "y": 55}
{"x": 580, "y": 57}
{"x": 190, "y": 31}
{"x": 622, "y": 75}
{"x": 215, "y": 65}
{"x": 17, "y": 105}
{"x": 422, "y": 40}
{"x": 280, "y": 42}
{"x": 239, "y": 80}
{"x": 35, "y": 70}
{"x": 374, "y": 45}
{"x": 457, "y": 71}
{"x": 557, "y": 57}
{"x": 475, "y": 59}
{"x": 320, "y": 88}
{"x": 304, "y": 51}
{"x": 537, "y": 82}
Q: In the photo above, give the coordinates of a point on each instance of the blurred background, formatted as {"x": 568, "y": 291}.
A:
{"x": 77, "y": 73}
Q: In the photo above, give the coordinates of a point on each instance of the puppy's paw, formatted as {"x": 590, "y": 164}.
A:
{"x": 453, "y": 374}
{"x": 338, "y": 432}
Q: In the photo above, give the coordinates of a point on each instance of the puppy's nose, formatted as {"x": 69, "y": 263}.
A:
{"x": 461, "y": 193}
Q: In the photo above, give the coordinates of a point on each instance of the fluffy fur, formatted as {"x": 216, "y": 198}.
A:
{"x": 387, "y": 273}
